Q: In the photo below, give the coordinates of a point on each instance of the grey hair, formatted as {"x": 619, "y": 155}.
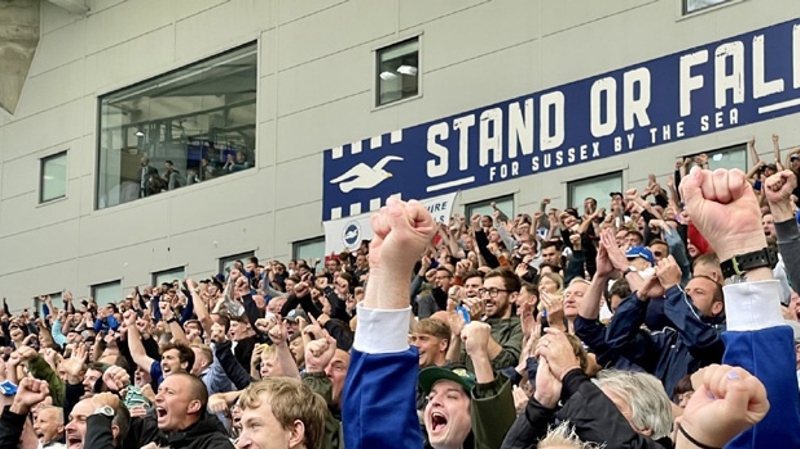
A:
{"x": 564, "y": 436}
{"x": 650, "y": 406}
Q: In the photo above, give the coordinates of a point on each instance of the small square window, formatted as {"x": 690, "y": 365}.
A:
{"x": 398, "y": 71}
{"x": 690, "y": 6}
{"x": 38, "y": 303}
{"x": 53, "y": 182}
{"x": 226, "y": 263}
{"x": 168, "y": 276}
{"x": 310, "y": 249}
{"x": 597, "y": 187}
{"x": 505, "y": 204}
{"x": 107, "y": 292}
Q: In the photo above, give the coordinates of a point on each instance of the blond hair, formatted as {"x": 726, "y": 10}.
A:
{"x": 290, "y": 401}
{"x": 564, "y": 436}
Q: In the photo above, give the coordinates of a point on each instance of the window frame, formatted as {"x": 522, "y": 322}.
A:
{"x": 155, "y": 274}
{"x": 42, "y": 162}
{"x": 685, "y": 7}
{"x": 221, "y": 262}
{"x": 742, "y": 147}
{"x": 94, "y": 287}
{"x": 470, "y": 208}
{"x": 138, "y": 85}
{"x": 587, "y": 180}
{"x": 377, "y": 71}
{"x": 37, "y": 303}
{"x": 310, "y": 241}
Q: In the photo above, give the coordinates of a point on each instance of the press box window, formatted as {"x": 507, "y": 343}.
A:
{"x": 597, "y": 187}
{"x": 192, "y": 125}
{"x": 53, "y": 182}
{"x": 398, "y": 71}
{"x": 690, "y": 6}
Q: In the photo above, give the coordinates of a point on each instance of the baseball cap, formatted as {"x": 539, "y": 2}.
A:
{"x": 613, "y": 194}
{"x": 796, "y": 328}
{"x": 458, "y": 374}
{"x": 294, "y": 314}
{"x": 640, "y": 251}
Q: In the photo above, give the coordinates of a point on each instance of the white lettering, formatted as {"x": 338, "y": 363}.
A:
{"x": 603, "y": 89}
{"x": 462, "y": 125}
{"x": 733, "y": 82}
{"x": 796, "y": 55}
{"x": 491, "y": 139}
{"x": 761, "y": 87}
{"x": 704, "y": 123}
{"x": 595, "y": 149}
{"x": 551, "y": 104}
{"x": 687, "y": 82}
{"x": 679, "y": 132}
{"x": 734, "y": 116}
{"x": 617, "y": 144}
{"x": 636, "y": 107}
{"x": 630, "y": 140}
{"x": 718, "y": 119}
{"x": 437, "y": 167}
{"x": 666, "y": 132}
{"x": 520, "y": 129}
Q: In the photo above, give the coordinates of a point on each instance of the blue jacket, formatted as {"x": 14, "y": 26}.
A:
{"x": 668, "y": 354}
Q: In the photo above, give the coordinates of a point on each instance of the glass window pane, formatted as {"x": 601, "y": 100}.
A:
{"x": 309, "y": 249}
{"x": 194, "y": 124}
{"x": 727, "y": 158}
{"x": 55, "y": 297}
{"x": 226, "y": 263}
{"x": 505, "y": 204}
{"x": 398, "y": 70}
{"x": 598, "y": 187}
{"x": 696, "y": 5}
{"x": 168, "y": 276}
{"x": 107, "y": 293}
{"x": 54, "y": 177}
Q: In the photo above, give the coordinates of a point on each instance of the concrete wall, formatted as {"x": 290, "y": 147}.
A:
{"x": 316, "y": 91}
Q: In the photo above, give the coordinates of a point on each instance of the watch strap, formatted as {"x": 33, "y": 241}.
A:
{"x": 739, "y": 264}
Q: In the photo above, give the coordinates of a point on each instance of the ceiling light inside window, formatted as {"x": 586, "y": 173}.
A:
{"x": 409, "y": 70}
{"x": 139, "y": 133}
{"x": 386, "y": 76}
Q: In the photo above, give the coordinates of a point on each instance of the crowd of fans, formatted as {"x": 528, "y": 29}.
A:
{"x": 558, "y": 329}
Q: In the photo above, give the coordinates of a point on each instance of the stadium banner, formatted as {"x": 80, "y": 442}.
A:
{"x": 725, "y": 84}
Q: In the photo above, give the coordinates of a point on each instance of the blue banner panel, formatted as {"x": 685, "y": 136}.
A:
{"x": 729, "y": 83}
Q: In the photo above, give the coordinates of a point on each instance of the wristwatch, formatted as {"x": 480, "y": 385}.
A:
{"x": 105, "y": 410}
{"x": 739, "y": 264}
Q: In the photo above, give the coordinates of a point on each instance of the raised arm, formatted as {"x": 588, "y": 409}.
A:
{"x": 138, "y": 353}
{"x": 383, "y": 369}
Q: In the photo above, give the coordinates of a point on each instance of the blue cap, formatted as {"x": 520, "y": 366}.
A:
{"x": 641, "y": 251}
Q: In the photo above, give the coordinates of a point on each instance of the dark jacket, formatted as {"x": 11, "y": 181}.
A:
{"x": 592, "y": 414}
{"x": 668, "y": 354}
{"x": 507, "y": 332}
{"x": 11, "y": 426}
{"x": 208, "y": 433}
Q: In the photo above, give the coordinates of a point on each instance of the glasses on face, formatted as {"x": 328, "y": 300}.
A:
{"x": 658, "y": 254}
{"x": 493, "y": 292}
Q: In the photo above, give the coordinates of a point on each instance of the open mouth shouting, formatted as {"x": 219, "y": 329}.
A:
{"x": 438, "y": 423}
{"x": 74, "y": 441}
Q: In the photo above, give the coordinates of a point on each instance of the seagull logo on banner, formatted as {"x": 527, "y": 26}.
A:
{"x": 364, "y": 177}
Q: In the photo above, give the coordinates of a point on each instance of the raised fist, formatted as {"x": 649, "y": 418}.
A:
{"x": 402, "y": 231}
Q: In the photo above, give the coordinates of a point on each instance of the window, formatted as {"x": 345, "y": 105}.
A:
{"x": 505, "y": 204}
{"x": 690, "y": 6}
{"x": 194, "y": 124}
{"x": 38, "y": 303}
{"x": 53, "y": 181}
{"x": 597, "y": 187}
{"x": 728, "y": 158}
{"x": 398, "y": 71}
{"x": 107, "y": 292}
{"x": 309, "y": 249}
{"x": 168, "y": 276}
{"x": 226, "y": 263}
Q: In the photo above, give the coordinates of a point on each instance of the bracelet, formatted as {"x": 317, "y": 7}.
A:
{"x": 693, "y": 441}
{"x": 172, "y": 320}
